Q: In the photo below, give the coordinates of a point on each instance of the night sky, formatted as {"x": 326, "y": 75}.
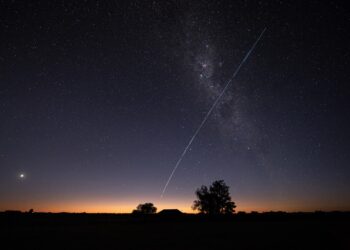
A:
{"x": 98, "y": 100}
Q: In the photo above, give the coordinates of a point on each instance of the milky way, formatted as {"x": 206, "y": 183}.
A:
{"x": 206, "y": 70}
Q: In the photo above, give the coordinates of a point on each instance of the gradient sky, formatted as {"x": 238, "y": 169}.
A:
{"x": 99, "y": 98}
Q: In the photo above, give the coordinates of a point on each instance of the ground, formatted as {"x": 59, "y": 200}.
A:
{"x": 109, "y": 231}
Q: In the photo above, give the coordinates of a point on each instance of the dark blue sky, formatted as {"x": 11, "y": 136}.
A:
{"x": 98, "y": 100}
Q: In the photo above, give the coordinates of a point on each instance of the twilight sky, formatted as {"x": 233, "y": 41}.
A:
{"x": 99, "y": 98}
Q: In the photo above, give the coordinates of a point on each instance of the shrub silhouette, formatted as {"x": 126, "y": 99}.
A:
{"x": 146, "y": 208}
{"x": 214, "y": 200}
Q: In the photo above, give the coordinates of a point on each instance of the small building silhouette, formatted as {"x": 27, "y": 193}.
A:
{"x": 170, "y": 212}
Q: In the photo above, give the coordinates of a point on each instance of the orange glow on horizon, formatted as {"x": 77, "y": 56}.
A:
{"x": 105, "y": 206}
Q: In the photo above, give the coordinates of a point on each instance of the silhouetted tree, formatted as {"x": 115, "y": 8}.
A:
{"x": 214, "y": 200}
{"x": 146, "y": 208}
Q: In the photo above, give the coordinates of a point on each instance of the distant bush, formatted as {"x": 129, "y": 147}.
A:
{"x": 146, "y": 208}
{"x": 13, "y": 211}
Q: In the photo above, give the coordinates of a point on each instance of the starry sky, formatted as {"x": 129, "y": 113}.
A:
{"x": 98, "y": 100}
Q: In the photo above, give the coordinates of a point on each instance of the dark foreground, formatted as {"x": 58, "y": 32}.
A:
{"x": 108, "y": 231}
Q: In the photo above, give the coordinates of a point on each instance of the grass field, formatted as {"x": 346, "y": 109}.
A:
{"x": 113, "y": 231}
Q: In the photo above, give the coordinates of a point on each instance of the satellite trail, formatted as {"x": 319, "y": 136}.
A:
{"x": 209, "y": 112}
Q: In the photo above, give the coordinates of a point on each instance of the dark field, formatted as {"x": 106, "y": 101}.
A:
{"x": 109, "y": 231}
